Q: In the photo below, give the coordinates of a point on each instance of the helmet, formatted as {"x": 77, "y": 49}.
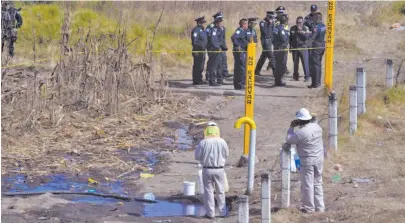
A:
{"x": 212, "y": 124}
{"x": 303, "y": 114}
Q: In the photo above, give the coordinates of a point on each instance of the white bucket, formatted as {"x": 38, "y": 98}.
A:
{"x": 188, "y": 188}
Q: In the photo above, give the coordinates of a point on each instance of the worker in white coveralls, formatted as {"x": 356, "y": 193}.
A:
{"x": 308, "y": 139}
{"x": 212, "y": 153}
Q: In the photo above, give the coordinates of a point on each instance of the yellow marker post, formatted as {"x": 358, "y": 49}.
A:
{"x": 330, "y": 36}
{"x": 249, "y": 91}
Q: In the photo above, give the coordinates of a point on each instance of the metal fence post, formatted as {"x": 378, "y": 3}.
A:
{"x": 252, "y": 159}
{"x": 285, "y": 172}
{"x": 266, "y": 198}
{"x": 361, "y": 91}
{"x": 390, "y": 74}
{"x": 333, "y": 121}
{"x": 243, "y": 210}
{"x": 353, "y": 109}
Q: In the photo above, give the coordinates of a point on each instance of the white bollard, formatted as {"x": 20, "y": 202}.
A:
{"x": 353, "y": 109}
{"x": 361, "y": 91}
{"x": 266, "y": 198}
{"x": 243, "y": 210}
{"x": 285, "y": 175}
{"x": 252, "y": 159}
{"x": 333, "y": 119}
{"x": 390, "y": 74}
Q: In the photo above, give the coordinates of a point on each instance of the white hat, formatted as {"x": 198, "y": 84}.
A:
{"x": 212, "y": 124}
{"x": 303, "y": 114}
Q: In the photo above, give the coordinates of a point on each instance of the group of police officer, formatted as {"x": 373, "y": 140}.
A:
{"x": 305, "y": 40}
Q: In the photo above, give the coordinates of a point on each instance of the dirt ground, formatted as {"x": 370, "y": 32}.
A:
{"x": 379, "y": 200}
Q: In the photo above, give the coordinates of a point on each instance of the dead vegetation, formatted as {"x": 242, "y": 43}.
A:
{"x": 95, "y": 100}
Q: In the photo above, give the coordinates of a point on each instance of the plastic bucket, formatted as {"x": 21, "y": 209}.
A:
{"x": 188, "y": 188}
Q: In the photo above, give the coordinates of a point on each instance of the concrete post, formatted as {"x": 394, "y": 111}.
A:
{"x": 266, "y": 198}
{"x": 252, "y": 159}
{"x": 390, "y": 74}
{"x": 361, "y": 91}
{"x": 243, "y": 210}
{"x": 333, "y": 133}
{"x": 285, "y": 175}
{"x": 353, "y": 109}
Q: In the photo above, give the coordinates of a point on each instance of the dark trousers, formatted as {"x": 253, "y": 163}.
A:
{"x": 316, "y": 66}
{"x": 198, "y": 67}
{"x": 214, "y": 60}
{"x": 281, "y": 65}
{"x": 10, "y": 43}
{"x": 239, "y": 69}
{"x": 224, "y": 64}
{"x": 266, "y": 54}
{"x": 303, "y": 56}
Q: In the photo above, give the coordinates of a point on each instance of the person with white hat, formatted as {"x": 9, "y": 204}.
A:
{"x": 308, "y": 139}
{"x": 212, "y": 153}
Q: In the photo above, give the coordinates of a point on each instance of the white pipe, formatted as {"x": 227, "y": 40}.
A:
{"x": 361, "y": 91}
{"x": 252, "y": 158}
{"x": 353, "y": 109}
{"x": 333, "y": 134}
{"x": 243, "y": 209}
{"x": 285, "y": 175}
{"x": 390, "y": 74}
{"x": 266, "y": 198}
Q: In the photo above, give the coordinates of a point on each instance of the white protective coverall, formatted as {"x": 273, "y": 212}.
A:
{"x": 308, "y": 139}
{"x": 212, "y": 153}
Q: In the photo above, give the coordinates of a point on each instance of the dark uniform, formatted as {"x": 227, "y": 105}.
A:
{"x": 207, "y": 31}
{"x": 281, "y": 38}
{"x": 318, "y": 40}
{"x": 309, "y": 21}
{"x": 298, "y": 39}
{"x": 11, "y": 20}
{"x": 224, "y": 60}
{"x": 279, "y": 12}
{"x": 266, "y": 31}
{"x": 240, "y": 43}
{"x": 199, "y": 43}
{"x": 215, "y": 44}
{"x": 251, "y": 32}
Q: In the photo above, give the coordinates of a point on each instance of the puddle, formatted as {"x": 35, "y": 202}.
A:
{"x": 165, "y": 209}
{"x": 181, "y": 140}
{"x": 59, "y": 182}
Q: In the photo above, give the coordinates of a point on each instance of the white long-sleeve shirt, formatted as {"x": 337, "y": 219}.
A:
{"x": 212, "y": 152}
{"x": 309, "y": 143}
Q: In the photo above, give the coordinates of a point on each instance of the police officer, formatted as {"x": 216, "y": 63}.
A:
{"x": 199, "y": 43}
{"x": 215, "y": 45}
{"x": 309, "y": 21}
{"x": 266, "y": 31}
{"x": 279, "y": 12}
{"x": 223, "y": 68}
{"x": 11, "y": 20}
{"x": 251, "y": 32}
{"x": 318, "y": 42}
{"x": 299, "y": 35}
{"x": 240, "y": 43}
{"x": 281, "y": 37}
{"x": 207, "y": 31}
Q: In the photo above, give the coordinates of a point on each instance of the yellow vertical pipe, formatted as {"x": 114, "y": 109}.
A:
{"x": 249, "y": 91}
{"x": 330, "y": 36}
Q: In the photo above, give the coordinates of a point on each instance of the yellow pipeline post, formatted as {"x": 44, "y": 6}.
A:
{"x": 252, "y": 150}
{"x": 330, "y": 38}
{"x": 249, "y": 91}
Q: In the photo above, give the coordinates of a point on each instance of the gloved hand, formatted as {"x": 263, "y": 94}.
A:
{"x": 295, "y": 123}
{"x": 225, "y": 48}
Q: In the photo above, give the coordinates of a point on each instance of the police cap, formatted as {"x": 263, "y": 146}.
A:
{"x": 280, "y": 9}
{"x": 219, "y": 14}
{"x": 314, "y": 7}
{"x": 200, "y": 20}
{"x": 271, "y": 14}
